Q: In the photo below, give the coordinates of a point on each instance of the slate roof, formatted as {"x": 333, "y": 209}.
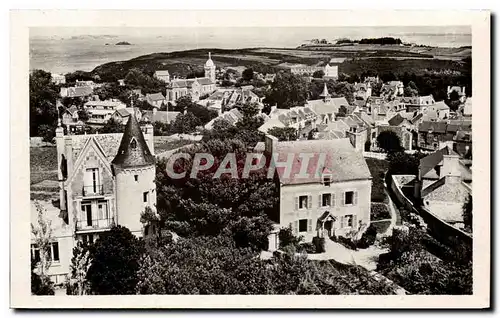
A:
{"x": 123, "y": 112}
{"x": 341, "y": 158}
{"x": 428, "y": 163}
{"x": 396, "y": 120}
{"x": 445, "y": 191}
{"x": 72, "y": 109}
{"x": 108, "y": 142}
{"x": 155, "y": 97}
{"x": 205, "y": 81}
{"x": 435, "y": 126}
{"x": 128, "y": 155}
{"x": 80, "y": 91}
{"x": 416, "y": 118}
{"x": 440, "y": 106}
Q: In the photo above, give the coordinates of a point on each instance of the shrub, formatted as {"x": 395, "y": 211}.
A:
{"x": 286, "y": 238}
{"x": 368, "y": 237}
{"x": 379, "y": 212}
{"x": 308, "y": 247}
{"x": 319, "y": 244}
{"x": 346, "y": 242}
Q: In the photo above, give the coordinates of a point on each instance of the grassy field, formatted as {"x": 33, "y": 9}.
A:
{"x": 161, "y": 146}
{"x": 377, "y": 169}
{"x": 43, "y": 164}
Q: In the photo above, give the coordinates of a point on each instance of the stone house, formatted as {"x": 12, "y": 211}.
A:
{"x": 104, "y": 180}
{"x": 101, "y": 111}
{"x": 443, "y": 184}
{"x": 327, "y": 194}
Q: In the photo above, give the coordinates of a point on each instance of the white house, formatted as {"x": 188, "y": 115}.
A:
{"x": 322, "y": 197}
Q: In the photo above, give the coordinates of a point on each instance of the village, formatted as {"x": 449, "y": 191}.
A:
{"x": 389, "y": 210}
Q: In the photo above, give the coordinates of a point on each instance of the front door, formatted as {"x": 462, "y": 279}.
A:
{"x": 328, "y": 228}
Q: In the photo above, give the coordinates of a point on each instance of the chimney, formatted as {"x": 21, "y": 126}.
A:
{"x": 463, "y": 90}
{"x": 270, "y": 144}
{"x": 154, "y": 110}
{"x": 451, "y": 169}
{"x": 448, "y": 90}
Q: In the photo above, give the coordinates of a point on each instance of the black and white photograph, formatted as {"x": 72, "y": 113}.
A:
{"x": 254, "y": 160}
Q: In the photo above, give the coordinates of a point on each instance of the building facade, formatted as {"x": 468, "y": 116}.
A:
{"x": 104, "y": 180}
{"x": 333, "y": 199}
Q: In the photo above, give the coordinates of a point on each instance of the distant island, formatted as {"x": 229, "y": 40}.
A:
{"x": 123, "y": 43}
{"x": 346, "y": 41}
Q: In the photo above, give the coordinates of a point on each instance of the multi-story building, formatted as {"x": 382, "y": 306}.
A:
{"x": 325, "y": 195}
{"x": 104, "y": 180}
{"x": 101, "y": 111}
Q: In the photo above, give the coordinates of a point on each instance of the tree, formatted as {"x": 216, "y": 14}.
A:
{"x": 342, "y": 111}
{"x": 283, "y": 133}
{"x": 410, "y": 92}
{"x": 40, "y": 285}
{"x": 318, "y": 74}
{"x": 288, "y": 90}
{"x": 83, "y": 115}
{"x": 185, "y": 123}
{"x": 113, "y": 270}
{"x": 112, "y": 126}
{"x": 247, "y": 74}
{"x": 42, "y": 234}
{"x": 43, "y": 111}
{"x": 80, "y": 264}
{"x": 389, "y": 141}
{"x": 467, "y": 213}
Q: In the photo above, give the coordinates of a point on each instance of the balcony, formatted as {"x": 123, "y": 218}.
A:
{"x": 92, "y": 191}
{"x": 94, "y": 224}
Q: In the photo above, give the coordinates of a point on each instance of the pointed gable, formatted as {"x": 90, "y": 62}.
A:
{"x": 133, "y": 151}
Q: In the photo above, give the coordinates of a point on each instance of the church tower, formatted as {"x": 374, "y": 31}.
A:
{"x": 210, "y": 68}
{"x": 325, "y": 95}
{"x": 134, "y": 171}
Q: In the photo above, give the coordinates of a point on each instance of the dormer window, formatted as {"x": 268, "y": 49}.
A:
{"x": 327, "y": 179}
{"x": 133, "y": 143}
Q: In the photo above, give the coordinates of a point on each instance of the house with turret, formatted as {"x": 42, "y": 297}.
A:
{"x": 104, "y": 180}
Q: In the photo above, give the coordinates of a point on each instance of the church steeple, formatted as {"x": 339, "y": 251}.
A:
{"x": 210, "y": 68}
{"x": 133, "y": 150}
{"x": 326, "y": 96}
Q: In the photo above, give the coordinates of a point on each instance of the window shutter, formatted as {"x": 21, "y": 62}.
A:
{"x": 309, "y": 225}
{"x": 320, "y": 201}
{"x": 355, "y": 199}
{"x": 296, "y": 227}
{"x": 342, "y": 202}
{"x": 354, "y": 221}
{"x": 309, "y": 202}
{"x": 332, "y": 203}
{"x": 296, "y": 203}
{"x": 342, "y": 221}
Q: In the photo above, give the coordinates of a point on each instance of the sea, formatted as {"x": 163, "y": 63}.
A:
{"x": 63, "y": 50}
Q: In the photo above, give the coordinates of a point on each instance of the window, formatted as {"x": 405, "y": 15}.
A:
{"x": 348, "y": 220}
{"x": 349, "y": 197}
{"x": 327, "y": 180}
{"x": 303, "y": 225}
{"x": 303, "y": 202}
{"x": 133, "y": 143}
{"x": 103, "y": 209}
{"x": 326, "y": 199}
{"x": 136, "y": 177}
{"x": 52, "y": 252}
{"x": 86, "y": 218}
{"x": 145, "y": 197}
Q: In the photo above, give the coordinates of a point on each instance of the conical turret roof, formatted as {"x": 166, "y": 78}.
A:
{"x": 133, "y": 151}
{"x": 325, "y": 92}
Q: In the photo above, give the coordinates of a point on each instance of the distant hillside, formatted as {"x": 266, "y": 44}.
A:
{"x": 379, "y": 58}
{"x": 123, "y": 43}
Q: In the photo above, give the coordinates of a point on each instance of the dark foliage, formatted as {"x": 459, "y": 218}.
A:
{"x": 115, "y": 262}
{"x": 319, "y": 244}
{"x": 389, "y": 141}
